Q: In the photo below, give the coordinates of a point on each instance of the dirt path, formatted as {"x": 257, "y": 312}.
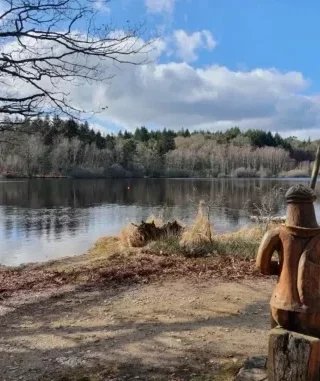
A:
{"x": 176, "y": 329}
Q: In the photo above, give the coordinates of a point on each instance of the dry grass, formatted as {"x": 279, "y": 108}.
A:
{"x": 105, "y": 264}
{"x": 112, "y": 259}
{"x": 200, "y": 232}
{"x": 244, "y": 242}
{"x": 199, "y": 239}
{"x": 130, "y": 237}
{"x": 253, "y": 233}
{"x": 295, "y": 173}
{"x": 240, "y": 244}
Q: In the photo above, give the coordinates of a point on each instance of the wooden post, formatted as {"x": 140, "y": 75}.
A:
{"x": 315, "y": 169}
{"x": 293, "y": 356}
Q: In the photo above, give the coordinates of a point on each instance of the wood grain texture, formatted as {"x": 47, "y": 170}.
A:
{"x": 293, "y": 356}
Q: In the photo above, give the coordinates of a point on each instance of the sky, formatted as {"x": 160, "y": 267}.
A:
{"x": 217, "y": 64}
{"x": 214, "y": 64}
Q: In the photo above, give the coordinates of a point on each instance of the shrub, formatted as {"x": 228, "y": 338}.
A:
{"x": 244, "y": 172}
{"x": 295, "y": 173}
{"x": 222, "y": 175}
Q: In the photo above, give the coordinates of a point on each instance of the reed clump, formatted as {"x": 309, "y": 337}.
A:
{"x": 201, "y": 231}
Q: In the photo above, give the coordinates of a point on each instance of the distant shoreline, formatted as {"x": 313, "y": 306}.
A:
{"x": 17, "y": 177}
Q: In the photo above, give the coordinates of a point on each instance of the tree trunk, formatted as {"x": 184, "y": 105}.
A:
{"x": 293, "y": 356}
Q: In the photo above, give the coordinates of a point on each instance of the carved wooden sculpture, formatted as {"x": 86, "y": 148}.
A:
{"x": 295, "y": 302}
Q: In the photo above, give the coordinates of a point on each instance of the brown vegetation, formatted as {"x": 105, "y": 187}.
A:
{"x": 229, "y": 256}
{"x": 200, "y": 232}
{"x": 140, "y": 235}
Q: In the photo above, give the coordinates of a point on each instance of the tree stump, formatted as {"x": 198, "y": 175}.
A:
{"x": 293, "y": 356}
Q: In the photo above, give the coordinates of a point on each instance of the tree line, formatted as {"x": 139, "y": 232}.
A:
{"x": 58, "y": 147}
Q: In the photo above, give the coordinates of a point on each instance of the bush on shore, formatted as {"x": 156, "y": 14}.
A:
{"x": 244, "y": 172}
{"x": 295, "y": 173}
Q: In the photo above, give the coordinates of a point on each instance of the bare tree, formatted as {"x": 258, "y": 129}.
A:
{"x": 45, "y": 44}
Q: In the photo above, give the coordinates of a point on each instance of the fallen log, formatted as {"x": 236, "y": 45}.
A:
{"x": 148, "y": 231}
{"x": 276, "y": 219}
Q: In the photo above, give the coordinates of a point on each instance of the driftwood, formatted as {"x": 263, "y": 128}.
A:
{"x": 275, "y": 219}
{"x": 293, "y": 356}
{"x": 148, "y": 231}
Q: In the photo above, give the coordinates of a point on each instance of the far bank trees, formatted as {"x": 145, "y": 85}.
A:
{"x": 59, "y": 147}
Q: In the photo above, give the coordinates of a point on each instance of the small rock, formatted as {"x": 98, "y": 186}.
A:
{"x": 251, "y": 375}
{"x": 254, "y": 369}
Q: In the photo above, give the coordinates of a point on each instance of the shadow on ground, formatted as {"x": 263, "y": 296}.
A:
{"x": 170, "y": 331}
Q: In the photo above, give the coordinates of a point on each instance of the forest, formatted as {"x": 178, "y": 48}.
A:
{"x": 55, "y": 147}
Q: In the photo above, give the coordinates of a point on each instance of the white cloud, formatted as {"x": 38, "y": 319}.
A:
{"x": 101, "y": 6}
{"x": 187, "y": 45}
{"x": 178, "y": 94}
{"x": 160, "y": 6}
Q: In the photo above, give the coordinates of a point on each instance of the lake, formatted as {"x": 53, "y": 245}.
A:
{"x": 42, "y": 219}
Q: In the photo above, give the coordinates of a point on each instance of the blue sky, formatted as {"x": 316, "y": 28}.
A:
{"x": 250, "y": 33}
{"x": 253, "y": 63}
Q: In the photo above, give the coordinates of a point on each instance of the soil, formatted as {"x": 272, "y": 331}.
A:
{"x": 176, "y": 328}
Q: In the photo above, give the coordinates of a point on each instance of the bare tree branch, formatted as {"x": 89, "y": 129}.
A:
{"x": 45, "y": 44}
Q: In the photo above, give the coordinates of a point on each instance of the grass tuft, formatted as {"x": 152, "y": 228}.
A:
{"x": 165, "y": 246}
{"x": 244, "y": 242}
{"x": 200, "y": 232}
{"x": 130, "y": 237}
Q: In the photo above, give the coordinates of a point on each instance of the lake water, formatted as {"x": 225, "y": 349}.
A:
{"x": 47, "y": 219}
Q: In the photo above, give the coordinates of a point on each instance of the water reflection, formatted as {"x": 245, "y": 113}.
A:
{"x": 44, "y": 219}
